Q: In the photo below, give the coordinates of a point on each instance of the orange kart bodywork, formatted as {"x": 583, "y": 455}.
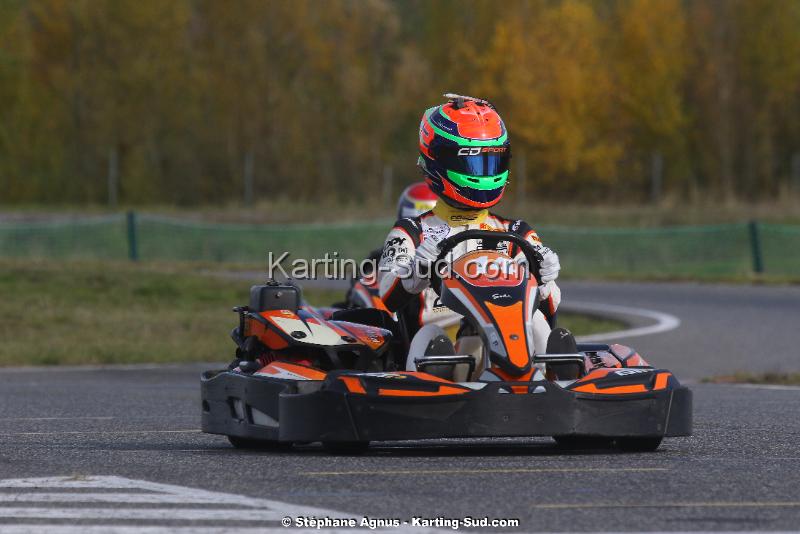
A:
{"x": 292, "y": 403}
{"x": 305, "y": 375}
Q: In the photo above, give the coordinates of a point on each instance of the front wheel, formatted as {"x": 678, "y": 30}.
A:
{"x": 259, "y": 444}
{"x": 639, "y": 444}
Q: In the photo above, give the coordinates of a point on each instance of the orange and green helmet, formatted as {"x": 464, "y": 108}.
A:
{"x": 464, "y": 152}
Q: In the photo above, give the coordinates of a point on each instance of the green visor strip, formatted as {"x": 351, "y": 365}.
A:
{"x": 484, "y": 183}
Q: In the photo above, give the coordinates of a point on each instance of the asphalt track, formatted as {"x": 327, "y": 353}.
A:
{"x": 124, "y": 447}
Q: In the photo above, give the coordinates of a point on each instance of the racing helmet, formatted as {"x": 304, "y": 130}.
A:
{"x": 415, "y": 200}
{"x": 464, "y": 152}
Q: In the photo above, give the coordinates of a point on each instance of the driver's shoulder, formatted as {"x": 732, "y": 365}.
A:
{"x": 515, "y": 226}
{"x": 507, "y": 224}
{"x": 413, "y": 227}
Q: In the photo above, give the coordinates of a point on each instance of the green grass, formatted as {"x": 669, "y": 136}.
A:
{"x": 115, "y": 312}
{"x": 741, "y": 377}
{"x": 90, "y": 313}
{"x": 584, "y": 325}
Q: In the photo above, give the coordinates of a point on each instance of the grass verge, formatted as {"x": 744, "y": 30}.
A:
{"x": 773, "y": 378}
{"x": 539, "y": 211}
{"x": 105, "y": 313}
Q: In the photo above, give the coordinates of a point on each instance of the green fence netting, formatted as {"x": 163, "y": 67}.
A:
{"x": 701, "y": 251}
{"x": 103, "y": 237}
{"x": 175, "y": 239}
{"x": 780, "y": 248}
{"x": 687, "y": 251}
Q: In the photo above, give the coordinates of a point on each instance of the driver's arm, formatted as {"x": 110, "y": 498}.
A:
{"x": 550, "y": 293}
{"x": 397, "y": 288}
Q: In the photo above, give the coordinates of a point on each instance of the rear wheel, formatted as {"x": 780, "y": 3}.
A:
{"x": 259, "y": 444}
{"x": 346, "y": 447}
{"x": 583, "y": 442}
{"x": 639, "y": 444}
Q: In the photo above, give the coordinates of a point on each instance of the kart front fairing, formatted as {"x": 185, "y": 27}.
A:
{"x": 290, "y": 403}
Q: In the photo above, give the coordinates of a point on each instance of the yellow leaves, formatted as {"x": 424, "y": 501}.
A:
{"x": 554, "y": 76}
{"x": 651, "y": 47}
{"x": 321, "y": 94}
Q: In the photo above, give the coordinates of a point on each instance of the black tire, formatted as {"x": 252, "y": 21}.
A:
{"x": 639, "y": 444}
{"x": 574, "y": 443}
{"x": 346, "y": 447}
{"x": 259, "y": 444}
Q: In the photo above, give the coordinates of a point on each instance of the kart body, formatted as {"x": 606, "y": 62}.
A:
{"x": 336, "y": 377}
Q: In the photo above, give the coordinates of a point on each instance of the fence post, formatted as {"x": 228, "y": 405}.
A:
{"x": 133, "y": 248}
{"x": 755, "y": 247}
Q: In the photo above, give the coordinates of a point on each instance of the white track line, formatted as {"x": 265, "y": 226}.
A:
{"x": 664, "y": 322}
{"x": 60, "y": 510}
{"x": 113, "y": 529}
{"x": 123, "y": 498}
{"x": 151, "y": 514}
{"x": 53, "y": 528}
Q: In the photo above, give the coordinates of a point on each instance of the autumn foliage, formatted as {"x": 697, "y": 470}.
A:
{"x": 318, "y": 97}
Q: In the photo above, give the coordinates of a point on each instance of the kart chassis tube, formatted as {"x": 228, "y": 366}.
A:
{"x": 304, "y": 412}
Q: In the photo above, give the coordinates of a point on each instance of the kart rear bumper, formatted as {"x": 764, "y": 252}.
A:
{"x": 291, "y": 411}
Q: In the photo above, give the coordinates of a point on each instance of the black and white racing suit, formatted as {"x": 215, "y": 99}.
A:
{"x": 417, "y": 302}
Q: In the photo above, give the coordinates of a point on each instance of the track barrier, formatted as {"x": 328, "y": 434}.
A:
{"x": 703, "y": 252}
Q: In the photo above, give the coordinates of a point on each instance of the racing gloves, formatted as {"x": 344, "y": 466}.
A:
{"x": 428, "y": 249}
{"x": 550, "y": 266}
{"x": 417, "y": 271}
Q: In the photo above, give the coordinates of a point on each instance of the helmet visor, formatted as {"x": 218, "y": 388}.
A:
{"x": 475, "y": 160}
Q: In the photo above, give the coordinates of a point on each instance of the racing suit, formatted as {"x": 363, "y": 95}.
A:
{"x": 421, "y": 306}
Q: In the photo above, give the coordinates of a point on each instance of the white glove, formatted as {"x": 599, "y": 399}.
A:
{"x": 428, "y": 250}
{"x": 424, "y": 258}
{"x": 548, "y": 270}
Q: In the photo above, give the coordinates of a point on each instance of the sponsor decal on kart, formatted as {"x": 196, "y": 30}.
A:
{"x": 288, "y": 371}
{"x": 625, "y": 372}
{"x": 385, "y": 375}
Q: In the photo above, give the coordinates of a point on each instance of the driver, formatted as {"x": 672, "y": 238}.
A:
{"x": 464, "y": 157}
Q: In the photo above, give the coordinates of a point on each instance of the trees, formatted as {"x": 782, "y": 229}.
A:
{"x": 198, "y": 99}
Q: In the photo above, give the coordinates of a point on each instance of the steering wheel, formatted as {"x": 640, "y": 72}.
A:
{"x": 534, "y": 258}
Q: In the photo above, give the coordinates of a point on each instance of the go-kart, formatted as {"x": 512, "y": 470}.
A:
{"x": 340, "y": 380}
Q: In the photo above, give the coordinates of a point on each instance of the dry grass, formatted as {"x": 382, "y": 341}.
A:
{"x": 104, "y": 313}
{"x": 539, "y": 211}
{"x": 774, "y": 378}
